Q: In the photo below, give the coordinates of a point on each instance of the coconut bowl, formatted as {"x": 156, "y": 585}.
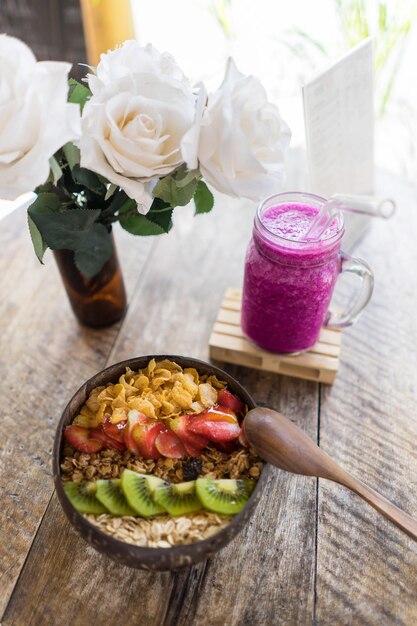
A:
{"x": 156, "y": 559}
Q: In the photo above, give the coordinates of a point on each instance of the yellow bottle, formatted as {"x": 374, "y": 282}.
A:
{"x": 106, "y": 24}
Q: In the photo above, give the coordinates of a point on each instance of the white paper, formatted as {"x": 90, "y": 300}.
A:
{"x": 339, "y": 125}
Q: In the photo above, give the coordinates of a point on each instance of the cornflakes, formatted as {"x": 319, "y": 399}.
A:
{"x": 161, "y": 390}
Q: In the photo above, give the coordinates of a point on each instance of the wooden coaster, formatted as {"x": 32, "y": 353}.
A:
{"x": 229, "y": 344}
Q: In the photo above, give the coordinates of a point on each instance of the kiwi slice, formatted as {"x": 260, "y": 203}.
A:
{"x": 225, "y": 496}
{"x": 139, "y": 490}
{"x": 83, "y": 497}
{"x": 178, "y": 499}
{"x": 110, "y": 493}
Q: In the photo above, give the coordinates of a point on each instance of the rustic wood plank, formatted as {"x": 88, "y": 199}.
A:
{"x": 44, "y": 356}
{"x": 173, "y": 311}
{"x": 367, "y": 569}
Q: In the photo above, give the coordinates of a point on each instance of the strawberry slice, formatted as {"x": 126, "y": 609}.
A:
{"x": 230, "y": 401}
{"x": 214, "y": 429}
{"x": 218, "y": 414}
{"x": 114, "y": 431}
{"x": 193, "y": 443}
{"x": 133, "y": 418}
{"x": 100, "y": 435}
{"x": 169, "y": 445}
{"x": 144, "y": 435}
{"x": 79, "y": 438}
{"x": 227, "y": 430}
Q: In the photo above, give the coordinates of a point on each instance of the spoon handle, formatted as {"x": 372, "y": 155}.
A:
{"x": 280, "y": 442}
{"x": 398, "y": 517}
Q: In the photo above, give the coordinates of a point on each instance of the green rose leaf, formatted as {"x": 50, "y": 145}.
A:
{"x": 167, "y": 189}
{"x": 56, "y": 172}
{"x": 78, "y": 93}
{"x": 183, "y": 176}
{"x": 161, "y": 213}
{"x": 140, "y": 225}
{"x": 45, "y": 203}
{"x": 47, "y": 187}
{"x": 88, "y": 179}
{"x": 61, "y": 229}
{"x": 157, "y": 221}
{"x": 38, "y": 243}
{"x": 118, "y": 203}
{"x": 72, "y": 154}
{"x": 110, "y": 191}
{"x": 95, "y": 249}
{"x": 203, "y": 198}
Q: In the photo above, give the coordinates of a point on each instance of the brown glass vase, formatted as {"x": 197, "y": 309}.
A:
{"x": 97, "y": 301}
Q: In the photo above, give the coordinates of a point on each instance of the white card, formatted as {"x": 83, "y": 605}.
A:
{"x": 339, "y": 123}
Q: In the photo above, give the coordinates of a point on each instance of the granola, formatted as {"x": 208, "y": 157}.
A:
{"x": 80, "y": 466}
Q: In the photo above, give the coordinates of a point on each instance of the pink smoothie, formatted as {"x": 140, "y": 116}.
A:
{"x": 288, "y": 280}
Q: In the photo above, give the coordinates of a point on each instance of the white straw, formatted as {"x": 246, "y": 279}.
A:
{"x": 365, "y": 205}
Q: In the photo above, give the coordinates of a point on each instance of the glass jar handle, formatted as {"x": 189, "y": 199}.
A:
{"x": 359, "y": 268}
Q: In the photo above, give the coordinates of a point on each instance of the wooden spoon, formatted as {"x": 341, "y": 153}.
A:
{"x": 280, "y": 442}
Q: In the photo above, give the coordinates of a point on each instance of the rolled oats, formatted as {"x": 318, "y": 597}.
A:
{"x": 164, "y": 533}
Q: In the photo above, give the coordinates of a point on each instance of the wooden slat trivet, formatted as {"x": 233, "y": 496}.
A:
{"x": 229, "y": 344}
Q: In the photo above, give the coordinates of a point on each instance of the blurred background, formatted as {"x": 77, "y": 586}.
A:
{"x": 282, "y": 43}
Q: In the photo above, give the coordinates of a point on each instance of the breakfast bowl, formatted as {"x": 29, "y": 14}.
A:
{"x": 112, "y": 542}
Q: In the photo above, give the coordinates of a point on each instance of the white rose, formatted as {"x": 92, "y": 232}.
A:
{"x": 239, "y": 139}
{"x": 35, "y": 118}
{"x": 134, "y": 122}
{"x": 131, "y": 58}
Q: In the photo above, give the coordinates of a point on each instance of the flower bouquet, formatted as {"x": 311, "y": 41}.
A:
{"x": 130, "y": 145}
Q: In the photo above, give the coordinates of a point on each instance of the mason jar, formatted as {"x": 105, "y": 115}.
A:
{"x": 289, "y": 278}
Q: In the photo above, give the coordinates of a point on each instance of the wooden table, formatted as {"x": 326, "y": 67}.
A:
{"x": 313, "y": 553}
